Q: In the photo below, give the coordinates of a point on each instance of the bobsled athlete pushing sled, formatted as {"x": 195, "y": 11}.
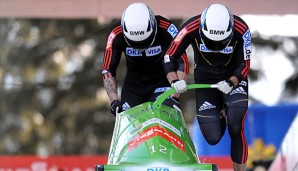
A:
{"x": 153, "y": 137}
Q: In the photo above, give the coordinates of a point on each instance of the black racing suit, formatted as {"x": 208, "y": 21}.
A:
{"x": 145, "y": 77}
{"x": 210, "y": 68}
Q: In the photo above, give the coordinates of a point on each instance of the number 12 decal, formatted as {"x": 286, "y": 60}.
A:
{"x": 160, "y": 148}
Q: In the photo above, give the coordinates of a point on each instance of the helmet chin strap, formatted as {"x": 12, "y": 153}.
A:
{"x": 154, "y": 35}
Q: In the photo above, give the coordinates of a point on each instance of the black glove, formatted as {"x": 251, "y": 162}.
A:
{"x": 171, "y": 101}
{"x": 116, "y": 107}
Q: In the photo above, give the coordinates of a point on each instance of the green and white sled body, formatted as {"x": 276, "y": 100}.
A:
{"x": 153, "y": 137}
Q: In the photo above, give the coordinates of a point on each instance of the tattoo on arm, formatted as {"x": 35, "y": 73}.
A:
{"x": 111, "y": 87}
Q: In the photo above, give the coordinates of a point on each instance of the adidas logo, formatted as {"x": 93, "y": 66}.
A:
{"x": 125, "y": 106}
{"x": 238, "y": 90}
{"x": 243, "y": 83}
{"x": 206, "y": 105}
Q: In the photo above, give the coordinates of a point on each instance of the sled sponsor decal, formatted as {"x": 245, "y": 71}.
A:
{"x": 156, "y": 131}
{"x": 154, "y": 121}
{"x": 136, "y": 113}
{"x": 161, "y": 122}
{"x": 158, "y": 169}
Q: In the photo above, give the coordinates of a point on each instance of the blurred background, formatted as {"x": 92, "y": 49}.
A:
{"x": 52, "y": 100}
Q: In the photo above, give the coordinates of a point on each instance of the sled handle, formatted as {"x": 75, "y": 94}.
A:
{"x": 157, "y": 104}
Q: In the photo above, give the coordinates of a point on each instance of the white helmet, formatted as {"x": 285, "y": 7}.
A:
{"x": 139, "y": 26}
{"x": 217, "y": 25}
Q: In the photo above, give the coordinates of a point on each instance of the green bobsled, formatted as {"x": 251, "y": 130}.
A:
{"x": 154, "y": 137}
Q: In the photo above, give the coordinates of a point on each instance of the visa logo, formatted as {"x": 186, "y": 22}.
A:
{"x": 153, "y": 51}
{"x": 158, "y": 169}
{"x": 149, "y": 52}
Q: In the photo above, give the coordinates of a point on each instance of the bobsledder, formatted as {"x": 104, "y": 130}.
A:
{"x": 154, "y": 137}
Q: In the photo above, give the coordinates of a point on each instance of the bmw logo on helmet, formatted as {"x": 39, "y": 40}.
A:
{"x": 217, "y": 24}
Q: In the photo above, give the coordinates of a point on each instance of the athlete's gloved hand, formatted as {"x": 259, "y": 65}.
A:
{"x": 116, "y": 107}
{"x": 172, "y": 102}
{"x": 179, "y": 85}
{"x": 225, "y": 86}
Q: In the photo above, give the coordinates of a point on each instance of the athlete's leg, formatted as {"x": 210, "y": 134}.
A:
{"x": 132, "y": 96}
{"x": 157, "y": 92}
{"x": 239, "y": 167}
{"x": 158, "y": 88}
{"x": 209, "y": 104}
{"x": 133, "y": 93}
{"x": 236, "y": 113}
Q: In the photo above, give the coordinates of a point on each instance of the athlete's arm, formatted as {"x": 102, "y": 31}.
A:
{"x": 178, "y": 47}
{"x": 174, "y": 76}
{"x": 181, "y": 74}
{"x": 243, "y": 53}
{"x": 182, "y": 70}
{"x": 234, "y": 80}
{"x": 180, "y": 65}
{"x": 112, "y": 56}
{"x": 110, "y": 86}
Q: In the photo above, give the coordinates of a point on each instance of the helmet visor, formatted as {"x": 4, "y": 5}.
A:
{"x": 215, "y": 45}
